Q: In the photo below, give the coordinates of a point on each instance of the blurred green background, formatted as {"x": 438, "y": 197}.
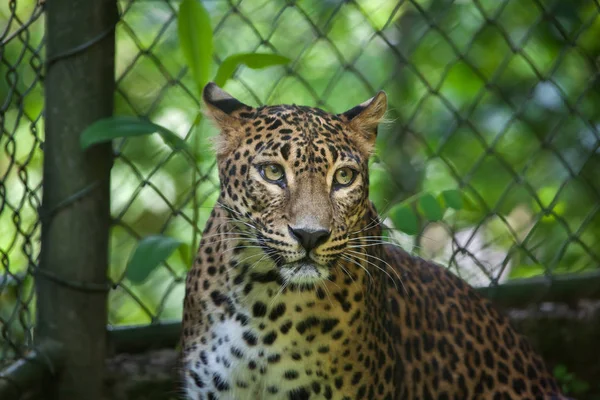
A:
{"x": 498, "y": 98}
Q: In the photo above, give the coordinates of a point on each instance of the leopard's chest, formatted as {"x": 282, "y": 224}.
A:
{"x": 262, "y": 341}
{"x": 277, "y": 362}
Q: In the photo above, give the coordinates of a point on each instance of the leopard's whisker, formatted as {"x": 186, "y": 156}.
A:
{"x": 350, "y": 259}
{"x": 374, "y": 242}
{"x": 382, "y": 269}
{"x": 345, "y": 271}
{"x": 324, "y": 286}
{"x": 281, "y": 290}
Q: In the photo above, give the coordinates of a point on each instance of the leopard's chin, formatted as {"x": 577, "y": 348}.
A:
{"x": 303, "y": 272}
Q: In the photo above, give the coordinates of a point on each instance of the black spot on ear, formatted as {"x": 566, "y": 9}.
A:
{"x": 229, "y": 105}
{"x": 354, "y": 111}
{"x": 218, "y": 98}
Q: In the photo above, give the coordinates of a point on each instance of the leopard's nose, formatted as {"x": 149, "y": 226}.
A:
{"x": 310, "y": 238}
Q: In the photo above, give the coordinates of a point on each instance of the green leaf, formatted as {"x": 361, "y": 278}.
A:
{"x": 568, "y": 377}
{"x": 527, "y": 271}
{"x": 452, "y": 198}
{"x": 385, "y": 234}
{"x": 430, "y": 207}
{"x": 404, "y": 219}
{"x": 580, "y": 387}
{"x": 196, "y": 40}
{"x": 379, "y": 187}
{"x": 195, "y": 138}
{"x": 469, "y": 203}
{"x": 107, "y": 129}
{"x": 560, "y": 371}
{"x": 149, "y": 253}
{"x": 251, "y": 60}
{"x": 13, "y": 280}
{"x": 185, "y": 252}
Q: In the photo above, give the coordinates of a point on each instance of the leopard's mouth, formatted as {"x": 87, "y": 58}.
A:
{"x": 304, "y": 271}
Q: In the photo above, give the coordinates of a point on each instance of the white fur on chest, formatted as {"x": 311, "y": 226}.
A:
{"x": 238, "y": 361}
{"x": 257, "y": 371}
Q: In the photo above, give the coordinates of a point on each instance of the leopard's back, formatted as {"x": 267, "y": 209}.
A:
{"x": 453, "y": 342}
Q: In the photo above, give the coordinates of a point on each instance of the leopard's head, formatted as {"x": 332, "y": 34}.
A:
{"x": 295, "y": 179}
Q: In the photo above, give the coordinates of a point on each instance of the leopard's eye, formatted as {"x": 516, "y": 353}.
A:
{"x": 272, "y": 172}
{"x": 344, "y": 176}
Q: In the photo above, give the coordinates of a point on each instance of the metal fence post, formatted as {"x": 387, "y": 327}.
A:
{"x": 72, "y": 278}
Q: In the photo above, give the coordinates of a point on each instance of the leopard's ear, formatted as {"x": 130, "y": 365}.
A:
{"x": 365, "y": 117}
{"x": 220, "y": 105}
{"x": 228, "y": 113}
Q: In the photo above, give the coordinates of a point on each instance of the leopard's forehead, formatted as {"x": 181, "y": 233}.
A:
{"x": 301, "y": 120}
{"x": 286, "y": 109}
{"x": 299, "y": 134}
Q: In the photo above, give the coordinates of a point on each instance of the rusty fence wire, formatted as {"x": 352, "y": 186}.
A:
{"x": 498, "y": 99}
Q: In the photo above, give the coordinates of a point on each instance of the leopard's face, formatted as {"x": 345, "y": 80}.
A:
{"x": 295, "y": 179}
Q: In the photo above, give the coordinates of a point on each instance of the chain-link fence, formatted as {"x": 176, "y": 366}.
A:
{"x": 21, "y": 142}
{"x": 498, "y": 99}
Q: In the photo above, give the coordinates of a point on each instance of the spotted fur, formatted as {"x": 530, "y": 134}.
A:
{"x": 342, "y": 317}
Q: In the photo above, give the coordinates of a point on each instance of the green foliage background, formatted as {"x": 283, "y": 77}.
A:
{"x": 499, "y": 99}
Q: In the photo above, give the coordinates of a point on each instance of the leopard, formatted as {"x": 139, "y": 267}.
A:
{"x": 296, "y": 294}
